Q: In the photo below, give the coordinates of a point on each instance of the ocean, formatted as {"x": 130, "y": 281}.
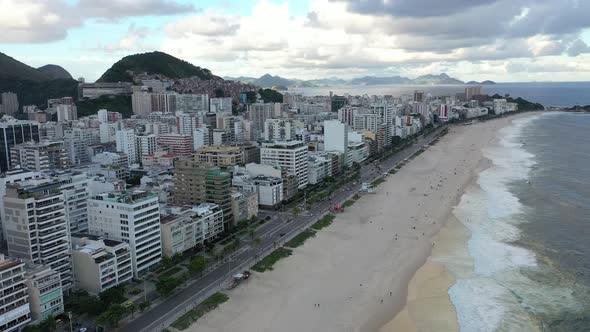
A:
{"x": 529, "y": 222}
{"x": 556, "y": 94}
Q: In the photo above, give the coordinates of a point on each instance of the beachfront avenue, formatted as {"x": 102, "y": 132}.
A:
{"x": 281, "y": 227}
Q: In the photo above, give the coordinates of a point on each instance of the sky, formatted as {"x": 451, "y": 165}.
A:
{"x": 500, "y": 40}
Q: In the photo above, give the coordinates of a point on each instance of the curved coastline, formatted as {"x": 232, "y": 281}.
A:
{"x": 360, "y": 267}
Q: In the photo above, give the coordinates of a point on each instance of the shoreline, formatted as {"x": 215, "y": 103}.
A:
{"x": 428, "y": 288}
{"x": 360, "y": 269}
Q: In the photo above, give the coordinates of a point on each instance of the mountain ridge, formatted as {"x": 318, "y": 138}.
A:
{"x": 269, "y": 81}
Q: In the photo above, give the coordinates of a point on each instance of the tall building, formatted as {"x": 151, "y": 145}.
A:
{"x": 279, "y": 130}
{"x": 45, "y": 292}
{"x": 67, "y": 112}
{"x": 196, "y": 183}
{"x": 145, "y": 145}
{"x": 192, "y": 103}
{"x": 127, "y": 144}
{"x": 180, "y": 145}
{"x": 36, "y": 226}
{"x": 75, "y": 188}
{"x": 164, "y": 102}
{"x": 186, "y": 123}
{"x": 15, "y": 132}
{"x": 219, "y": 105}
{"x": 335, "y": 136}
{"x": 14, "y": 309}
{"x": 291, "y": 156}
{"x": 77, "y": 141}
{"x": 9, "y": 102}
{"x": 258, "y": 113}
{"x": 419, "y": 96}
{"x": 141, "y": 103}
{"x": 337, "y": 102}
{"x": 42, "y": 156}
{"x": 131, "y": 217}
{"x": 472, "y": 91}
{"x": 202, "y": 136}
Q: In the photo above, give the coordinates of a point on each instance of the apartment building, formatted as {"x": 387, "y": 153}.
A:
{"x": 14, "y": 302}
{"x": 189, "y": 228}
{"x": 132, "y": 217}
{"x": 100, "y": 264}
{"x": 180, "y": 145}
{"x": 221, "y": 156}
{"x": 42, "y": 156}
{"x": 291, "y": 156}
{"x": 197, "y": 183}
{"x": 37, "y": 227}
{"x": 45, "y": 292}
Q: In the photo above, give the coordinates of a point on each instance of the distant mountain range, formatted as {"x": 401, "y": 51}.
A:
{"x": 269, "y": 81}
{"x": 12, "y": 69}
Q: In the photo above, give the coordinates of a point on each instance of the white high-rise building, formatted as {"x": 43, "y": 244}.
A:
{"x": 13, "y": 176}
{"x": 146, "y": 145}
{"x": 335, "y": 136}
{"x": 76, "y": 191}
{"x": 66, "y": 112}
{"x": 36, "y": 226}
{"x": 14, "y": 309}
{"x": 291, "y": 156}
{"x": 131, "y": 217}
{"x": 186, "y": 123}
{"x": 202, "y": 136}
{"x": 77, "y": 141}
{"x": 103, "y": 116}
{"x": 127, "y": 144}
{"x": 279, "y": 130}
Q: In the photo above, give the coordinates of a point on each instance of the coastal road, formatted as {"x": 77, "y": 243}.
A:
{"x": 282, "y": 227}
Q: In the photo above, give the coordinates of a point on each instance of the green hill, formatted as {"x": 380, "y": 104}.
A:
{"x": 11, "y": 69}
{"x": 55, "y": 72}
{"x": 153, "y": 63}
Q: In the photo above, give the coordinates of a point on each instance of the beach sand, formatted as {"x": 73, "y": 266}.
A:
{"x": 359, "y": 269}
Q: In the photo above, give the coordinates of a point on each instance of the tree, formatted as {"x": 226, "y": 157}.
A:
{"x": 132, "y": 307}
{"x": 144, "y": 305}
{"x": 296, "y": 210}
{"x": 166, "y": 285}
{"x": 113, "y": 295}
{"x": 112, "y": 315}
{"x": 198, "y": 264}
{"x": 48, "y": 325}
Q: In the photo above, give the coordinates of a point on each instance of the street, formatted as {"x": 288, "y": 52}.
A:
{"x": 273, "y": 234}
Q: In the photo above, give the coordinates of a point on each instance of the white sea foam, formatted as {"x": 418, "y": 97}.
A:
{"x": 488, "y": 210}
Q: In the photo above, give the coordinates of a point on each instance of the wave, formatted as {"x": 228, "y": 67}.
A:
{"x": 486, "y": 300}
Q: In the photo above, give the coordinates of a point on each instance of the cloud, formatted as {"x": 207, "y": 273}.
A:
{"x": 207, "y": 24}
{"x": 131, "y": 41}
{"x": 38, "y": 21}
{"x": 578, "y": 47}
{"x": 413, "y": 8}
{"x": 35, "y": 21}
{"x": 127, "y": 8}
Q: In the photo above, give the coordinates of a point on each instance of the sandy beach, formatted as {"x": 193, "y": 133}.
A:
{"x": 372, "y": 269}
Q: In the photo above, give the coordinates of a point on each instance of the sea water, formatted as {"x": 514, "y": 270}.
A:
{"x": 529, "y": 223}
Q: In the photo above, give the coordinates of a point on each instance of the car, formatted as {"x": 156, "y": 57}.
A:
{"x": 289, "y": 220}
{"x": 281, "y": 234}
{"x": 82, "y": 329}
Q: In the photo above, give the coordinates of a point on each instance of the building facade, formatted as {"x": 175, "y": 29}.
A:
{"x": 130, "y": 217}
